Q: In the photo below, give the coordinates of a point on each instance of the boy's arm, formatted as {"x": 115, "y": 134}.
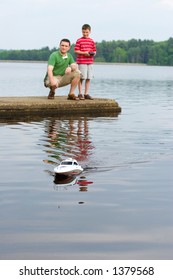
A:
{"x": 77, "y": 49}
{"x": 83, "y": 53}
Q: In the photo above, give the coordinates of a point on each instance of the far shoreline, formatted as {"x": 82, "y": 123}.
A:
{"x": 95, "y": 63}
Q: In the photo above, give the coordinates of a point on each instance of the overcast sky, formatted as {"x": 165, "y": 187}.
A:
{"x": 33, "y": 24}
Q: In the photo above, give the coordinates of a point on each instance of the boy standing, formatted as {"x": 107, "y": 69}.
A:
{"x": 85, "y": 49}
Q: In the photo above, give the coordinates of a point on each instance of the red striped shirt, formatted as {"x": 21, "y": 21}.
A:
{"x": 85, "y": 45}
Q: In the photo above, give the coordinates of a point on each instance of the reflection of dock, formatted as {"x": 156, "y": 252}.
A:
{"x": 11, "y": 107}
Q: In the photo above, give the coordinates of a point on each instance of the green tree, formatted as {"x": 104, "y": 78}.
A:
{"x": 120, "y": 55}
{"x": 132, "y": 51}
{"x": 134, "y": 55}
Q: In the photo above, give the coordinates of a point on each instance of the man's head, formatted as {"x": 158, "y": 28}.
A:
{"x": 64, "y": 46}
{"x": 86, "y": 30}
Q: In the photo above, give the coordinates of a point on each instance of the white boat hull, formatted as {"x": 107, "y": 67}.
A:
{"x": 63, "y": 170}
{"x": 68, "y": 167}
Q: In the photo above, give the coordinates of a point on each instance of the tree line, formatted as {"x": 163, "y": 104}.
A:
{"x": 131, "y": 51}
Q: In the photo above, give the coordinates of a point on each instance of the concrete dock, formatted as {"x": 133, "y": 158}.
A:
{"x": 15, "y": 107}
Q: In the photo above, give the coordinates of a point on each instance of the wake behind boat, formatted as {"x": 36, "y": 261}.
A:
{"x": 68, "y": 167}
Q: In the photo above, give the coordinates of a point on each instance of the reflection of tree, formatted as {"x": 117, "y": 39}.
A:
{"x": 68, "y": 138}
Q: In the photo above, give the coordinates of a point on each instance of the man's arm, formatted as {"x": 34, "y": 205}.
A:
{"x": 50, "y": 75}
{"x": 73, "y": 67}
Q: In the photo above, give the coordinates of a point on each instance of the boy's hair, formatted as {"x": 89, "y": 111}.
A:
{"x": 65, "y": 40}
{"x": 86, "y": 26}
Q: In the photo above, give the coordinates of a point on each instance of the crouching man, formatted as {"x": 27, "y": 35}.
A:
{"x": 61, "y": 71}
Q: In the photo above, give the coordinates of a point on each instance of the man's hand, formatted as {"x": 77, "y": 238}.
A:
{"x": 53, "y": 83}
{"x": 68, "y": 70}
{"x": 74, "y": 67}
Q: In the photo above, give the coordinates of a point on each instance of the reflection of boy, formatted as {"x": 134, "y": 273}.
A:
{"x": 85, "y": 49}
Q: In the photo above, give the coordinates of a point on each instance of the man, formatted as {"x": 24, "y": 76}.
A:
{"x": 61, "y": 71}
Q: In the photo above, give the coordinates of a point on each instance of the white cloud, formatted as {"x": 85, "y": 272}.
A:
{"x": 168, "y": 3}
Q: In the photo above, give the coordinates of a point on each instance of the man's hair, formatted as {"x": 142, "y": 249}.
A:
{"x": 86, "y": 26}
{"x": 65, "y": 40}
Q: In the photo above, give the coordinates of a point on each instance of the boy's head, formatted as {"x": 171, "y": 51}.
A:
{"x": 86, "y": 30}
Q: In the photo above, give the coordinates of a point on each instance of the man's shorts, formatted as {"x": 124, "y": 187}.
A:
{"x": 86, "y": 71}
{"x": 62, "y": 81}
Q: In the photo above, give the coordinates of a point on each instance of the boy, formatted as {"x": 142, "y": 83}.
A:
{"x": 85, "y": 48}
{"x": 62, "y": 70}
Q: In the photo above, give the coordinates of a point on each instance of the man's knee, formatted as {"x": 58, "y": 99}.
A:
{"x": 76, "y": 74}
{"x": 46, "y": 84}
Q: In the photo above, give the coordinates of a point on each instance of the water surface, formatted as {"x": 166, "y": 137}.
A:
{"x": 122, "y": 209}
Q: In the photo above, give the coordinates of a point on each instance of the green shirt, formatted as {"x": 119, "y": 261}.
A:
{"x": 59, "y": 62}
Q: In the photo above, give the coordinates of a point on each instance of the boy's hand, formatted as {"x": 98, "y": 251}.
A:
{"x": 91, "y": 53}
{"x": 86, "y": 54}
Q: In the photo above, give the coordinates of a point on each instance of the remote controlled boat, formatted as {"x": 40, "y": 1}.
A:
{"x": 68, "y": 167}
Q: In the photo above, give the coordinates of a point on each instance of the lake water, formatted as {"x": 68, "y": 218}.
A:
{"x": 122, "y": 208}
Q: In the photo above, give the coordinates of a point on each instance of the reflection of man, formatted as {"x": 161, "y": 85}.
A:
{"x": 69, "y": 139}
{"x": 62, "y": 70}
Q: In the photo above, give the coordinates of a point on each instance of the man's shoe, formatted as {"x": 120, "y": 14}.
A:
{"x": 51, "y": 95}
{"x": 72, "y": 97}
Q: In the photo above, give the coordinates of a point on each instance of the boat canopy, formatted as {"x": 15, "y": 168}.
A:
{"x": 69, "y": 162}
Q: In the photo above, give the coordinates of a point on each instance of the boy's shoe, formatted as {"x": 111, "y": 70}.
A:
{"x": 87, "y": 96}
{"x": 81, "y": 97}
